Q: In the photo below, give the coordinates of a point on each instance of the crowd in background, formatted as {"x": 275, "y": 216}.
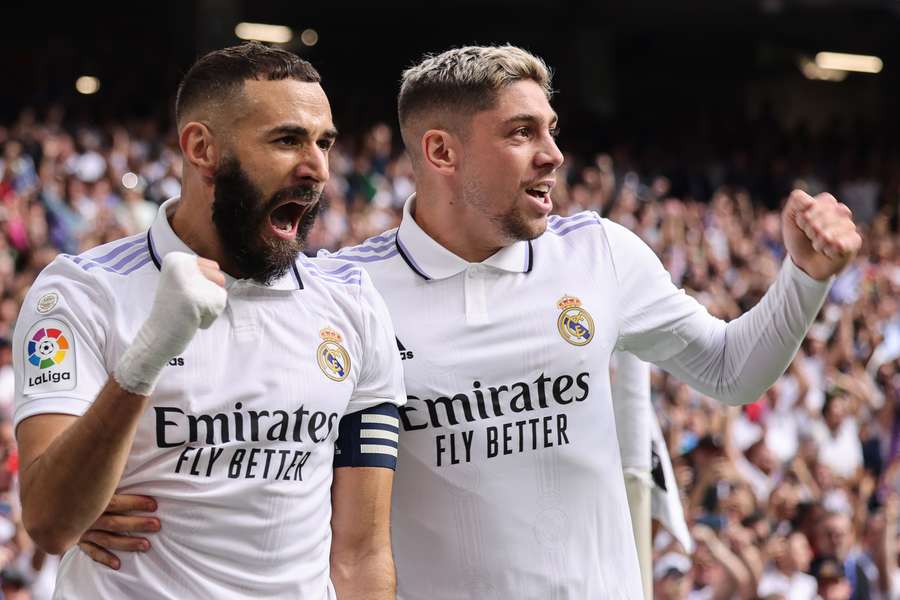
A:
{"x": 793, "y": 497}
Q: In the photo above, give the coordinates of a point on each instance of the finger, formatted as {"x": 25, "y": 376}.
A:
{"x": 206, "y": 262}
{"x": 831, "y": 218}
{"x": 126, "y": 523}
{"x": 825, "y": 199}
{"x": 807, "y": 225}
{"x": 100, "y": 555}
{"x": 840, "y": 239}
{"x": 833, "y": 212}
{"x": 800, "y": 201}
{"x": 830, "y": 232}
{"x": 116, "y": 542}
{"x": 121, "y": 503}
{"x": 214, "y": 275}
{"x": 849, "y": 243}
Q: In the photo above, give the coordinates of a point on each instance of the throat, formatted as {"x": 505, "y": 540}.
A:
{"x": 465, "y": 242}
{"x": 193, "y": 226}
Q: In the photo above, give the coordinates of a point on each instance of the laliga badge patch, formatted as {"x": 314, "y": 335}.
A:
{"x": 49, "y": 358}
{"x": 575, "y": 323}
{"x": 331, "y": 356}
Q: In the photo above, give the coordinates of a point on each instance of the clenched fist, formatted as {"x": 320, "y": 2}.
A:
{"x": 819, "y": 234}
{"x": 190, "y": 296}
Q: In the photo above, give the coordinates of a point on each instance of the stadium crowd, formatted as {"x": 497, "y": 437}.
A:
{"x": 793, "y": 497}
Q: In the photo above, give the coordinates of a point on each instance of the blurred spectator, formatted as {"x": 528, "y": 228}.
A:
{"x": 793, "y": 496}
{"x": 832, "y": 581}
{"x": 790, "y": 557}
{"x": 671, "y": 577}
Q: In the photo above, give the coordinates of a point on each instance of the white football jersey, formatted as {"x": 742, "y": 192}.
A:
{"x": 509, "y": 479}
{"x": 238, "y": 440}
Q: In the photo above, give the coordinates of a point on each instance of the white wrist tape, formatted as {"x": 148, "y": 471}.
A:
{"x": 185, "y": 301}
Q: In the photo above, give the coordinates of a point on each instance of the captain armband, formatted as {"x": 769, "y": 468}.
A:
{"x": 368, "y": 438}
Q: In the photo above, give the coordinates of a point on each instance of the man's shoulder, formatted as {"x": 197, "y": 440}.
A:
{"x": 90, "y": 283}
{"x": 377, "y": 256}
{"x": 328, "y": 271}
{"x": 374, "y": 250}
{"x": 113, "y": 260}
{"x": 106, "y": 263}
{"x": 561, "y": 226}
{"x": 588, "y": 228}
{"x": 583, "y": 227}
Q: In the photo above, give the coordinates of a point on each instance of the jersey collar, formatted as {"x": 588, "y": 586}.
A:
{"x": 430, "y": 260}
{"x": 161, "y": 239}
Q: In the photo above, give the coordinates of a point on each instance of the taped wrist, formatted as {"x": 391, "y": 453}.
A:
{"x": 185, "y": 301}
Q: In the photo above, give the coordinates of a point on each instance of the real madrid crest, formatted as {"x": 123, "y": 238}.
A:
{"x": 331, "y": 356}
{"x": 575, "y": 323}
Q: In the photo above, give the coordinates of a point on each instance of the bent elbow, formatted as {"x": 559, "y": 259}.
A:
{"x": 739, "y": 399}
{"x": 734, "y": 395}
{"x": 48, "y": 536}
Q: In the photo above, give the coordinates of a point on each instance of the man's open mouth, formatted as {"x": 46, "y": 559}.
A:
{"x": 540, "y": 191}
{"x": 285, "y": 218}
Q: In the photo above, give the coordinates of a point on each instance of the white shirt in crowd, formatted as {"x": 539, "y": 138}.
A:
{"x": 238, "y": 441}
{"x": 509, "y": 480}
{"x": 799, "y": 586}
{"x": 841, "y": 450}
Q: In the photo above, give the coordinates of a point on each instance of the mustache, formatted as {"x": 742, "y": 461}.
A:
{"x": 304, "y": 194}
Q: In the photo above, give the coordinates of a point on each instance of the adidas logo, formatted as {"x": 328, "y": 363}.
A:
{"x": 404, "y": 353}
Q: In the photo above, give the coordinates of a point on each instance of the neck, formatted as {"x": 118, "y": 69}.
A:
{"x": 455, "y": 226}
{"x": 192, "y": 223}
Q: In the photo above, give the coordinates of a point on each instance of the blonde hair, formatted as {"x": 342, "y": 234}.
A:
{"x": 463, "y": 81}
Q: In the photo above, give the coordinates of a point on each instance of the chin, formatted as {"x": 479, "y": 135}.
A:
{"x": 537, "y": 226}
{"x": 524, "y": 230}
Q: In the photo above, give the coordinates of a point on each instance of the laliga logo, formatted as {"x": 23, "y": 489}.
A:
{"x": 47, "y": 348}
{"x": 331, "y": 356}
{"x": 575, "y": 323}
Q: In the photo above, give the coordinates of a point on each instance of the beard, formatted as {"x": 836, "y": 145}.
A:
{"x": 240, "y": 213}
{"x": 512, "y": 224}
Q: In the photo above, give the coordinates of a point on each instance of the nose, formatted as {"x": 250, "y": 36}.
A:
{"x": 313, "y": 164}
{"x": 549, "y": 155}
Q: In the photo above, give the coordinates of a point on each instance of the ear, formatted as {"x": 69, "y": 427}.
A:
{"x": 198, "y": 145}
{"x": 440, "y": 151}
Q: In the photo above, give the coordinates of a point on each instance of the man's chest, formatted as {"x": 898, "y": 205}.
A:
{"x": 528, "y": 376}
{"x": 523, "y": 328}
{"x": 267, "y": 372}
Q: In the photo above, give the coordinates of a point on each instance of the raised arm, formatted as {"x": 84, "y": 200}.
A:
{"x": 72, "y": 464}
{"x": 737, "y": 361}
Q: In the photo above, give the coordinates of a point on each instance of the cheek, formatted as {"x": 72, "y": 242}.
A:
{"x": 506, "y": 164}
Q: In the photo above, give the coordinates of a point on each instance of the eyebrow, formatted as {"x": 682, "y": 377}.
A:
{"x": 529, "y": 118}
{"x": 302, "y": 132}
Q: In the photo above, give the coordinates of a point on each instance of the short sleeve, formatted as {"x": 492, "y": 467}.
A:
{"x": 58, "y": 343}
{"x": 381, "y": 374}
{"x": 656, "y": 319}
